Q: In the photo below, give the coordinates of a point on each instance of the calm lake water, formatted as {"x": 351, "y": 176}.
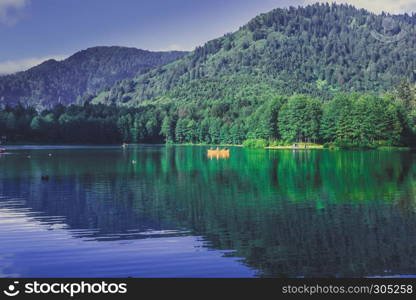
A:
{"x": 156, "y": 211}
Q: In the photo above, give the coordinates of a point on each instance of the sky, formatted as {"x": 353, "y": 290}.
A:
{"x": 32, "y": 31}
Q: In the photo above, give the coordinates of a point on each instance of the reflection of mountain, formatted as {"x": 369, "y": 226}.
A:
{"x": 287, "y": 213}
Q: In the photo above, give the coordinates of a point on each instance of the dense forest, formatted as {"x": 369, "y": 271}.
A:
{"x": 316, "y": 74}
{"x": 347, "y": 119}
{"x": 75, "y": 79}
{"x": 319, "y": 50}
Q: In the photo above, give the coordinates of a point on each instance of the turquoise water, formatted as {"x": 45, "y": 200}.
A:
{"x": 157, "y": 211}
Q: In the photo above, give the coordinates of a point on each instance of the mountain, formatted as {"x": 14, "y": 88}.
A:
{"x": 85, "y": 72}
{"x": 317, "y": 49}
{"x": 322, "y": 73}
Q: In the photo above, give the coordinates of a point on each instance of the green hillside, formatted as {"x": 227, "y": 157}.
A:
{"x": 317, "y": 50}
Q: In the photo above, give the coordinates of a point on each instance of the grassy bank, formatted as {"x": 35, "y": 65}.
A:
{"x": 379, "y": 145}
{"x": 265, "y": 144}
{"x": 204, "y": 145}
{"x": 299, "y": 146}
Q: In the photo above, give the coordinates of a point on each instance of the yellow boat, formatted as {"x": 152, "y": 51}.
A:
{"x": 218, "y": 153}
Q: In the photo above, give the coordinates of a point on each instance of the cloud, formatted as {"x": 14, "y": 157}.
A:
{"x": 377, "y": 6}
{"x": 13, "y": 66}
{"x": 10, "y": 10}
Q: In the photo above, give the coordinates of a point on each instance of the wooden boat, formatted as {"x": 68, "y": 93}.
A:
{"x": 218, "y": 153}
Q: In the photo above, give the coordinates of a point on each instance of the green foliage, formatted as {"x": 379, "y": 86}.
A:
{"x": 319, "y": 50}
{"x": 279, "y": 144}
{"x": 361, "y": 120}
{"x": 345, "y": 145}
{"x": 255, "y": 143}
{"x": 347, "y": 121}
{"x": 299, "y": 119}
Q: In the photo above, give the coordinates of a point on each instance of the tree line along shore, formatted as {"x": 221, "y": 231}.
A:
{"x": 346, "y": 120}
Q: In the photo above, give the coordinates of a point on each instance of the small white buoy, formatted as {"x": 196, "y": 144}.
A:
{"x": 50, "y": 154}
{"x": 28, "y": 156}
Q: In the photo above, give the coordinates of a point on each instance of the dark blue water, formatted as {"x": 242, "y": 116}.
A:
{"x": 156, "y": 211}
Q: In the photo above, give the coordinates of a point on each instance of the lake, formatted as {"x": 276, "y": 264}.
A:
{"x": 170, "y": 211}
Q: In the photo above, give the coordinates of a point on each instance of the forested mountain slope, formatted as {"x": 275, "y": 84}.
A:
{"x": 316, "y": 49}
{"x": 65, "y": 82}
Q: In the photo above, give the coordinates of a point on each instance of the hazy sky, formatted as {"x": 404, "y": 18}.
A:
{"x": 34, "y": 30}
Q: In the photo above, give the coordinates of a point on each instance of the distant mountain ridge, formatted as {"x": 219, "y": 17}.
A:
{"x": 85, "y": 72}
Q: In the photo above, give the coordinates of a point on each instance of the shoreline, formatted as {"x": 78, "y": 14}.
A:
{"x": 301, "y": 147}
{"x": 202, "y": 145}
{"x": 320, "y": 147}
